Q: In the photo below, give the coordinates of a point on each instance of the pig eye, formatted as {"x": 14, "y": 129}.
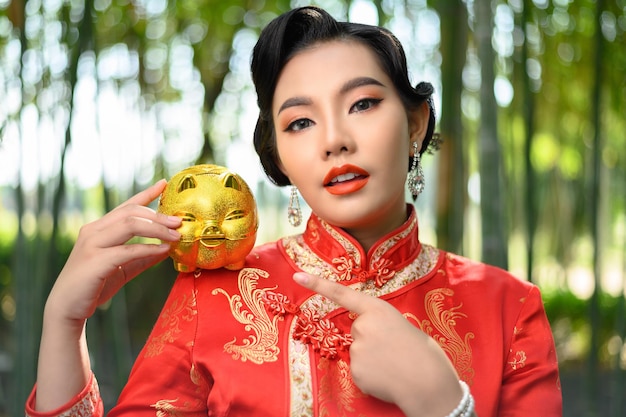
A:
{"x": 235, "y": 214}
{"x": 187, "y": 183}
{"x": 187, "y": 217}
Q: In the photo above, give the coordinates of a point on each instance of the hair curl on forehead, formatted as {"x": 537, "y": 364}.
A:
{"x": 301, "y": 28}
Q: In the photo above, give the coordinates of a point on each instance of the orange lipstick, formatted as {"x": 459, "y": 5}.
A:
{"x": 345, "y": 179}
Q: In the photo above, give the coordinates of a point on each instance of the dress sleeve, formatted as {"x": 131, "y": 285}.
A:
{"x": 164, "y": 379}
{"x": 87, "y": 403}
{"x": 531, "y": 384}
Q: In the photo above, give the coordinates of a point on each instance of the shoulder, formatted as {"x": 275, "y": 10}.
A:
{"x": 260, "y": 252}
{"x": 267, "y": 261}
{"x": 484, "y": 280}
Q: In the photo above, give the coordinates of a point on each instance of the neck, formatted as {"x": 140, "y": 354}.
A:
{"x": 368, "y": 235}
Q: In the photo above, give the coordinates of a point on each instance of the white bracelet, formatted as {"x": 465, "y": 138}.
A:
{"x": 466, "y": 405}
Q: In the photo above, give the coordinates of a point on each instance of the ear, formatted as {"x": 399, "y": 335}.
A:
{"x": 231, "y": 181}
{"x": 189, "y": 181}
{"x": 418, "y": 124}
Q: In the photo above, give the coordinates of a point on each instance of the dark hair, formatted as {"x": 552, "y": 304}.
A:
{"x": 301, "y": 28}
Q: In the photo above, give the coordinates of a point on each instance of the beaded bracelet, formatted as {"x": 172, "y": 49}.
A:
{"x": 466, "y": 405}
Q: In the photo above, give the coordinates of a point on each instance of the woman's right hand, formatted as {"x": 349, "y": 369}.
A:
{"x": 103, "y": 260}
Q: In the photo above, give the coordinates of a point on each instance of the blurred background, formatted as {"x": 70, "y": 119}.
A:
{"x": 100, "y": 98}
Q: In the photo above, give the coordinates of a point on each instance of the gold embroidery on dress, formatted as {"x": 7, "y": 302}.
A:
{"x": 300, "y": 375}
{"x": 385, "y": 246}
{"x": 441, "y": 327}
{"x": 337, "y": 389}
{"x": 195, "y": 376}
{"x": 310, "y": 328}
{"x": 310, "y": 262}
{"x": 202, "y": 386}
{"x": 262, "y": 346}
{"x": 166, "y": 408}
{"x": 341, "y": 239}
{"x": 183, "y": 308}
{"x": 519, "y": 361}
{"x": 411, "y": 316}
{"x": 85, "y": 407}
{"x": 344, "y": 267}
{"x": 380, "y": 271}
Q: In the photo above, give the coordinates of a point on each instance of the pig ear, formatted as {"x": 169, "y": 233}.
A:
{"x": 189, "y": 182}
{"x": 230, "y": 181}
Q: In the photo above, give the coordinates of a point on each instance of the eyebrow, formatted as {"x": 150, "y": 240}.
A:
{"x": 359, "y": 82}
{"x": 347, "y": 87}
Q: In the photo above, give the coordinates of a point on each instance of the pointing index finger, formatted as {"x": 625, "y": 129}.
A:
{"x": 344, "y": 296}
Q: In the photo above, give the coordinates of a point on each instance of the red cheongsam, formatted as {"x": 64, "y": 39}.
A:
{"x": 254, "y": 343}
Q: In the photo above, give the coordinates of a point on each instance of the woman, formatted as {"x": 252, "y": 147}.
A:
{"x": 372, "y": 323}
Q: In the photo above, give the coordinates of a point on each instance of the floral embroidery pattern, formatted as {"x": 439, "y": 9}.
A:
{"x": 261, "y": 346}
{"x": 88, "y": 405}
{"x": 301, "y": 382}
{"x": 337, "y": 394}
{"x": 380, "y": 273}
{"x": 309, "y": 262}
{"x": 519, "y": 361}
{"x": 181, "y": 309}
{"x": 322, "y": 334}
{"x": 348, "y": 267}
{"x": 310, "y": 328}
{"x": 337, "y": 389}
{"x": 278, "y": 304}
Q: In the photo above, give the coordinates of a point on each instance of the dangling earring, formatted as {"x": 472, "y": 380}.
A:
{"x": 416, "y": 174}
{"x": 294, "y": 214}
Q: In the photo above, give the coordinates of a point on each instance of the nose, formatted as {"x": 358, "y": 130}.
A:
{"x": 211, "y": 228}
{"x": 338, "y": 139}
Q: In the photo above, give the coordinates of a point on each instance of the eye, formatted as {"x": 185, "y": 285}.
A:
{"x": 187, "y": 217}
{"x": 299, "y": 124}
{"x": 364, "y": 104}
{"x": 236, "y": 214}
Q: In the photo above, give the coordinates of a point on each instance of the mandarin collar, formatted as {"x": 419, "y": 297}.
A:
{"x": 388, "y": 255}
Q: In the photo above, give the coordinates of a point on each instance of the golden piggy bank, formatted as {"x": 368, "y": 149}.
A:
{"x": 219, "y": 218}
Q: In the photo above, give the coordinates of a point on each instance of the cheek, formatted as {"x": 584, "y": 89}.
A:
{"x": 392, "y": 141}
{"x": 287, "y": 157}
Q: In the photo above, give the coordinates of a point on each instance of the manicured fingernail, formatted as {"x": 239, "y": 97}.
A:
{"x": 301, "y": 278}
{"x": 173, "y": 219}
{"x": 174, "y": 233}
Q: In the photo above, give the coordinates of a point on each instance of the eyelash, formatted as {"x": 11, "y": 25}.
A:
{"x": 371, "y": 102}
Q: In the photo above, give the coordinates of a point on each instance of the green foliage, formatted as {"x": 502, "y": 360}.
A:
{"x": 570, "y": 318}
{"x": 58, "y": 59}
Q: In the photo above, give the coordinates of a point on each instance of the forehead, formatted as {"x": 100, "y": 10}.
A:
{"x": 328, "y": 64}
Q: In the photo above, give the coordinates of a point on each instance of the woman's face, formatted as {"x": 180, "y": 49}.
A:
{"x": 344, "y": 137}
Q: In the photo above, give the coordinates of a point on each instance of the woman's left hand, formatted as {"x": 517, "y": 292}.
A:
{"x": 390, "y": 358}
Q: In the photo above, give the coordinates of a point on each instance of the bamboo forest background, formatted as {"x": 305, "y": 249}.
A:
{"x": 98, "y": 98}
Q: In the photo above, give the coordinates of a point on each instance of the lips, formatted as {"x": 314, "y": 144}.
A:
{"x": 345, "y": 179}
